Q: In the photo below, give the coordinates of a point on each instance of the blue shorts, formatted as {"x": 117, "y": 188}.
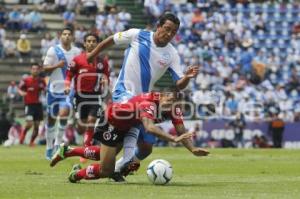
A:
{"x": 146, "y": 137}
{"x": 56, "y": 102}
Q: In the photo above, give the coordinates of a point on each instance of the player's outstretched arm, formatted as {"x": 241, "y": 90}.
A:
{"x": 180, "y": 128}
{"x": 106, "y": 43}
{"x": 150, "y": 127}
{"x": 191, "y": 72}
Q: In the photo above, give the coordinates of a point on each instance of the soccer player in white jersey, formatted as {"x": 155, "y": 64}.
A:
{"x": 55, "y": 64}
{"x": 148, "y": 56}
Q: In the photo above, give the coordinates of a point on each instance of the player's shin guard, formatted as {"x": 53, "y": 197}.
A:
{"x": 61, "y": 131}
{"x": 88, "y": 137}
{"x": 92, "y": 172}
{"x": 90, "y": 152}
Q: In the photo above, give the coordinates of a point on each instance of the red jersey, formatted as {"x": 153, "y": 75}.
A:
{"x": 123, "y": 116}
{"x": 87, "y": 76}
{"x": 33, "y": 86}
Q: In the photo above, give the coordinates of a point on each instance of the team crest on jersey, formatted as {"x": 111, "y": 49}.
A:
{"x": 164, "y": 60}
{"x": 100, "y": 66}
{"x": 71, "y": 64}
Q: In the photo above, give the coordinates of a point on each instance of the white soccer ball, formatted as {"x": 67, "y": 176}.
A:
{"x": 159, "y": 172}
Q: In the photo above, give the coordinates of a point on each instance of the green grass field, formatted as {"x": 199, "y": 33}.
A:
{"x": 226, "y": 173}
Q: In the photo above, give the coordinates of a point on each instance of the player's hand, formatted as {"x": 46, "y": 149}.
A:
{"x": 60, "y": 64}
{"x": 192, "y": 71}
{"x": 183, "y": 136}
{"x": 67, "y": 90}
{"x": 199, "y": 152}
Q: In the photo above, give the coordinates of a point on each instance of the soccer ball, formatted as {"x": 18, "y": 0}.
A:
{"x": 159, "y": 172}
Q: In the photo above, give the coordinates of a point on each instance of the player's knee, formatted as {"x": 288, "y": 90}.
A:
{"x": 143, "y": 151}
{"x": 62, "y": 123}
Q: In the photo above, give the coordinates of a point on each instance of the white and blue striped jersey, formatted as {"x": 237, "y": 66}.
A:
{"x": 144, "y": 62}
{"x": 57, "y": 76}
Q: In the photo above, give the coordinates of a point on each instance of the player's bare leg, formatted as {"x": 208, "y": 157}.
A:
{"x": 28, "y": 126}
{"x": 95, "y": 171}
{"x": 63, "y": 152}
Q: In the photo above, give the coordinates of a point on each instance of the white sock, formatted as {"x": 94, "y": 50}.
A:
{"x": 60, "y": 134}
{"x": 50, "y": 134}
{"x": 129, "y": 145}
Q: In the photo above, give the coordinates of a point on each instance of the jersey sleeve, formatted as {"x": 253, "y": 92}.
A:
{"x": 22, "y": 85}
{"x": 147, "y": 110}
{"x": 125, "y": 37}
{"x": 175, "y": 68}
{"x": 51, "y": 57}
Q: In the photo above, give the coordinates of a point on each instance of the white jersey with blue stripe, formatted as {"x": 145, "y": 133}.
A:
{"x": 57, "y": 76}
{"x": 144, "y": 62}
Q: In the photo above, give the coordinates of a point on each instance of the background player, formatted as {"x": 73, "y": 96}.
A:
{"x": 55, "y": 63}
{"x": 90, "y": 77}
{"x": 30, "y": 88}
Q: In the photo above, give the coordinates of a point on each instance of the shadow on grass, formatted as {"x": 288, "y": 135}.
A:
{"x": 172, "y": 184}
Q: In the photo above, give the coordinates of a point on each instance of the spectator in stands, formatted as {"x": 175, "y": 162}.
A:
{"x": 5, "y": 125}
{"x": 61, "y": 5}
{"x": 10, "y": 48}
{"x": 90, "y": 7}
{"x": 24, "y": 48}
{"x": 3, "y": 16}
{"x": 79, "y": 36}
{"x": 12, "y": 92}
{"x": 36, "y": 20}
{"x": 13, "y": 135}
{"x": 2, "y": 40}
{"x": 14, "y": 19}
{"x": 26, "y": 24}
{"x": 69, "y": 18}
{"x": 46, "y": 43}
{"x": 124, "y": 18}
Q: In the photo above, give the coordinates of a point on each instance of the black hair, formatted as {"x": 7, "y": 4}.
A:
{"x": 168, "y": 16}
{"x": 68, "y": 28}
{"x": 91, "y": 34}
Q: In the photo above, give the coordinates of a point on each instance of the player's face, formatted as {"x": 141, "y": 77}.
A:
{"x": 66, "y": 37}
{"x": 90, "y": 43}
{"x": 34, "y": 70}
{"x": 166, "y": 101}
{"x": 166, "y": 32}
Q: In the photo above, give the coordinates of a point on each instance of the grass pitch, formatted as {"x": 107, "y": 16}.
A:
{"x": 226, "y": 173}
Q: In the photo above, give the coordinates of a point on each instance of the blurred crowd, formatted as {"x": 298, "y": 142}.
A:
{"x": 226, "y": 40}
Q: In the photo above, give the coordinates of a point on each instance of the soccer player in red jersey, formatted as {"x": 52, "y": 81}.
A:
{"x": 30, "y": 88}
{"x": 119, "y": 118}
{"x": 90, "y": 77}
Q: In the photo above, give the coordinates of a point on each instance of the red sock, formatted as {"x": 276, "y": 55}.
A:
{"x": 92, "y": 172}
{"x": 88, "y": 137}
{"x": 23, "y": 135}
{"x": 90, "y": 152}
{"x": 33, "y": 136}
